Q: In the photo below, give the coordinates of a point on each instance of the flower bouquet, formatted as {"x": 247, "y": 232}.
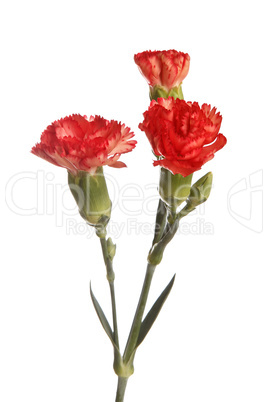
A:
{"x": 183, "y": 136}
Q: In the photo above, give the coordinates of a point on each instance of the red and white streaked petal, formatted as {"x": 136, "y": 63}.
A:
{"x": 120, "y": 143}
{"x": 208, "y": 151}
{"x": 41, "y": 153}
{"x": 117, "y": 164}
{"x": 191, "y": 155}
{"x": 169, "y": 72}
{"x": 64, "y": 162}
{"x": 216, "y": 118}
{"x": 184, "y": 64}
{"x": 164, "y": 68}
{"x": 192, "y": 144}
{"x": 206, "y": 109}
{"x": 168, "y": 148}
{"x": 177, "y": 167}
{"x": 113, "y": 158}
{"x": 68, "y": 127}
{"x": 113, "y": 161}
{"x": 77, "y": 143}
{"x": 175, "y": 67}
{"x": 112, "y": 141}
{"x": 88, "y": 164}
{"x": 123, "y": 147}
{"x": 48, "y": 137}
{"x": 149, "y": 66}
{"x": 126, "y": 132}
{"x": 155, "y": 70}
{"x": 83, "y": 123}
{"x": 166, "y": 103}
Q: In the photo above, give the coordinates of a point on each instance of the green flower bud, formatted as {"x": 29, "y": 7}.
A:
{"x": 111, "y": 248}
{"x": 174, "y": 188}
{"x": 155, "y": 255}
{"x": 91, "y": 195}
{"x": 200, "y": 190}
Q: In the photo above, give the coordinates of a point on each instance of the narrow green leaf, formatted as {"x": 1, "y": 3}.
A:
{"x": 107, "y": 328}
{"x": 102, "y": 317}
{"x": 153, "y": 313}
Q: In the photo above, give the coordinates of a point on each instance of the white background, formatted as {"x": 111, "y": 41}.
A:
{"x": 210, "y": 340}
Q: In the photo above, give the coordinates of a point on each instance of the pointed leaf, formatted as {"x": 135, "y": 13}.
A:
{"x": 153, "y": 313}
{"x": 106, "y": 326}
{"x": 102, "y": 317}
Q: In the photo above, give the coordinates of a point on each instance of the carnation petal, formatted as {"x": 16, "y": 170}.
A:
{"x": 117, "y": 164}
{"x": 77, "y": 143}
{"x": 38, "y": 151}
{"x": 165, "y": 68}
{"x": 176, "y": 167}
{"x": 183, "y": 134}
{"x": 208, "y": 151}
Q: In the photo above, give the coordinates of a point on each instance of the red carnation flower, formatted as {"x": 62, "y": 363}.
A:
{"x": 166, "y": 68}
{"x": 182, "y": 134}
{"x": 77, "y": 143}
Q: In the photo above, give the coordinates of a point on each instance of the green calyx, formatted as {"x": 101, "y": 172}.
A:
{"x": 91, "y": 195}
{"x": 174, "y": 188}
{"x": 161, "y": 92}
{"x": 200, "y": 190}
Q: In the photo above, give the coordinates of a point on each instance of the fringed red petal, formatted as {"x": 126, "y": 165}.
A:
{"x": 184, "y": 134}
{"x": 78, "y": 143}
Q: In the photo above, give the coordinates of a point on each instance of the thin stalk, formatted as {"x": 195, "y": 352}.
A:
{"x": 154, "y": 259}
{"x": 160, "y": 224}
{"x": 110, "y": 278}
{"x": 112, "y": 292}
{"x": 157, "y": 249}
{"x": 121, "y": 389}
{"x": 135, "y": 329}
{"x": 156, "y": 253}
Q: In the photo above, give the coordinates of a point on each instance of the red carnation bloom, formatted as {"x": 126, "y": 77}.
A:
{"x": 182, "y": 134}
{"x": 77, "y": 143}
{"x": 166, "y": 68}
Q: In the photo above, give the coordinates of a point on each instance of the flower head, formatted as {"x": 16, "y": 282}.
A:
{"x": 77, "y": 143}
{"x": 183, "y": 135}
{"x": 166, "y": 68}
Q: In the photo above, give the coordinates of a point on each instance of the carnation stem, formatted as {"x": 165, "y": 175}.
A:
{"x": 156, "y": 251}
{"x": 121, "y": 388}
{"x": 115, "y": 327}
{"x": 135, "y": 329}
{"x": 110, "y": 277}
{"x": 160, "y": 224}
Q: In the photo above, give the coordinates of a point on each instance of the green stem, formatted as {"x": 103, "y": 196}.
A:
{"x": 160, "y": 224}
{"x": 110, "y": 277}
{"x": 112, "y": 292}
{"x": 156, "y": 253}
{"x": 135, "y": 329}
{"x": 121, "y": 388}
